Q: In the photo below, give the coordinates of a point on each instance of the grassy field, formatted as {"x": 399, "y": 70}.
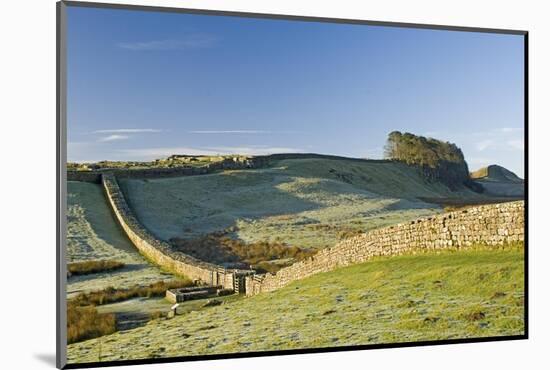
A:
{"x": 465, "y": 294}
{"x": 308, "y": 203}
{"x": 94, "y": 235}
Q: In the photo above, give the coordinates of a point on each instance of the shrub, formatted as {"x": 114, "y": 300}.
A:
{"x": 86, "y": 323}
{"x": 92, "y": 267}
{"x": 219, "y": 248}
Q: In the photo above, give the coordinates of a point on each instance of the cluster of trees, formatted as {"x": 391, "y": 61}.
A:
{"x": 436, "y": 159}
{"x": 421, "y": 150}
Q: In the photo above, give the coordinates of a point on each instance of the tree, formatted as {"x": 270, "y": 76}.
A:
{"x": 436, "y": 159}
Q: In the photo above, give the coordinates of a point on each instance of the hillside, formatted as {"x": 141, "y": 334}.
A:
{"x": 93, "y": 234}
{"x": 309, "y": 203}
{"x": 496, "y": 173}
{"x": 499, "y": 181}
{"x": 450, "y": 295}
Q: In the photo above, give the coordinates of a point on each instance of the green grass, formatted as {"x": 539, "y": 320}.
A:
{"x": 466, "y": 294}
{"x": 288, "y": 202}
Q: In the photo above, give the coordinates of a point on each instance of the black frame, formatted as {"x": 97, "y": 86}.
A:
{"x": 61, "y": 342}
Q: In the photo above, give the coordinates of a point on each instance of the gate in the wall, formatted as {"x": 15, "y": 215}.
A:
{"x": 239, "y": 280}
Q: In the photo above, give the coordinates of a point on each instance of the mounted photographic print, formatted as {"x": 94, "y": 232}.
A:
{"x": 234, "y": 184}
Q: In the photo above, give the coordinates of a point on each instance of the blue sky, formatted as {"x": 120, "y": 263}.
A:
{"x": 144, "y": 85}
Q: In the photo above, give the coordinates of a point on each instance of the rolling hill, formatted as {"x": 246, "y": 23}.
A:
{"x": 309, "y": 203}
{"x": 499, "y": 181}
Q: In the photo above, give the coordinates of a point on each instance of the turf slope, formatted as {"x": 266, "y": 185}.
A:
{"x": 466, "y": 294}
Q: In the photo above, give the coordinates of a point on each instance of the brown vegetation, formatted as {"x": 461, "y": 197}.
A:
{"x": 475, "y": 316}
{"x": 86, "y": 323}
{"x": 92, "y": 267}
{"x": 342, "y": 232}
{"x": 220, "y": 248}
{"x": 111, "y": 295}
{"x": 83, "y": 320}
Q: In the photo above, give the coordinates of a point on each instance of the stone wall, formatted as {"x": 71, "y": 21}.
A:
{"x": 85, "y": 176}
{"x": 160, "y": 172}
{"x": 160, "y": 252}
{"x": 490, "y": 224}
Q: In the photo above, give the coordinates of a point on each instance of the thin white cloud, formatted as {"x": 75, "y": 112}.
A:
{"x": 82, "y": 151}
{"x": 484, "y": 144}
{"x": 516, "y": 144}
{"x": 113, "y": 138}
{"x": 84, "y": 160}
{"x": 194, "y": 41}
{"x": 507, "y": 130}
{"x": 377, "y": 152}
{"x": 253, "y": 150}
{"x": 500, "y": 145}
{"x": 207, "y": 132}
{"x": 245, "y": 132}
{"x": 126, "y": 131}
{"x": 475, "y": 163}
{"x": 501, "y": 131}
{"x": 481, "y": 160}
{"x": 162, "y": 152}
{"x": 77, "y": 143}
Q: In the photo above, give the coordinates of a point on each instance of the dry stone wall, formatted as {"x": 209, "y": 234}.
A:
{"x": 160, "y": 252}
{"x": 159, "y": 172}
{"x": 84, "y": 176}
{"x": 491, "y": 224}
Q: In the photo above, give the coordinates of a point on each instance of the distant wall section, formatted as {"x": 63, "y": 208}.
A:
{"x": 162, "y": 253}
{"x": 85, "y": 176}
{"x": 490, "y": 224}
